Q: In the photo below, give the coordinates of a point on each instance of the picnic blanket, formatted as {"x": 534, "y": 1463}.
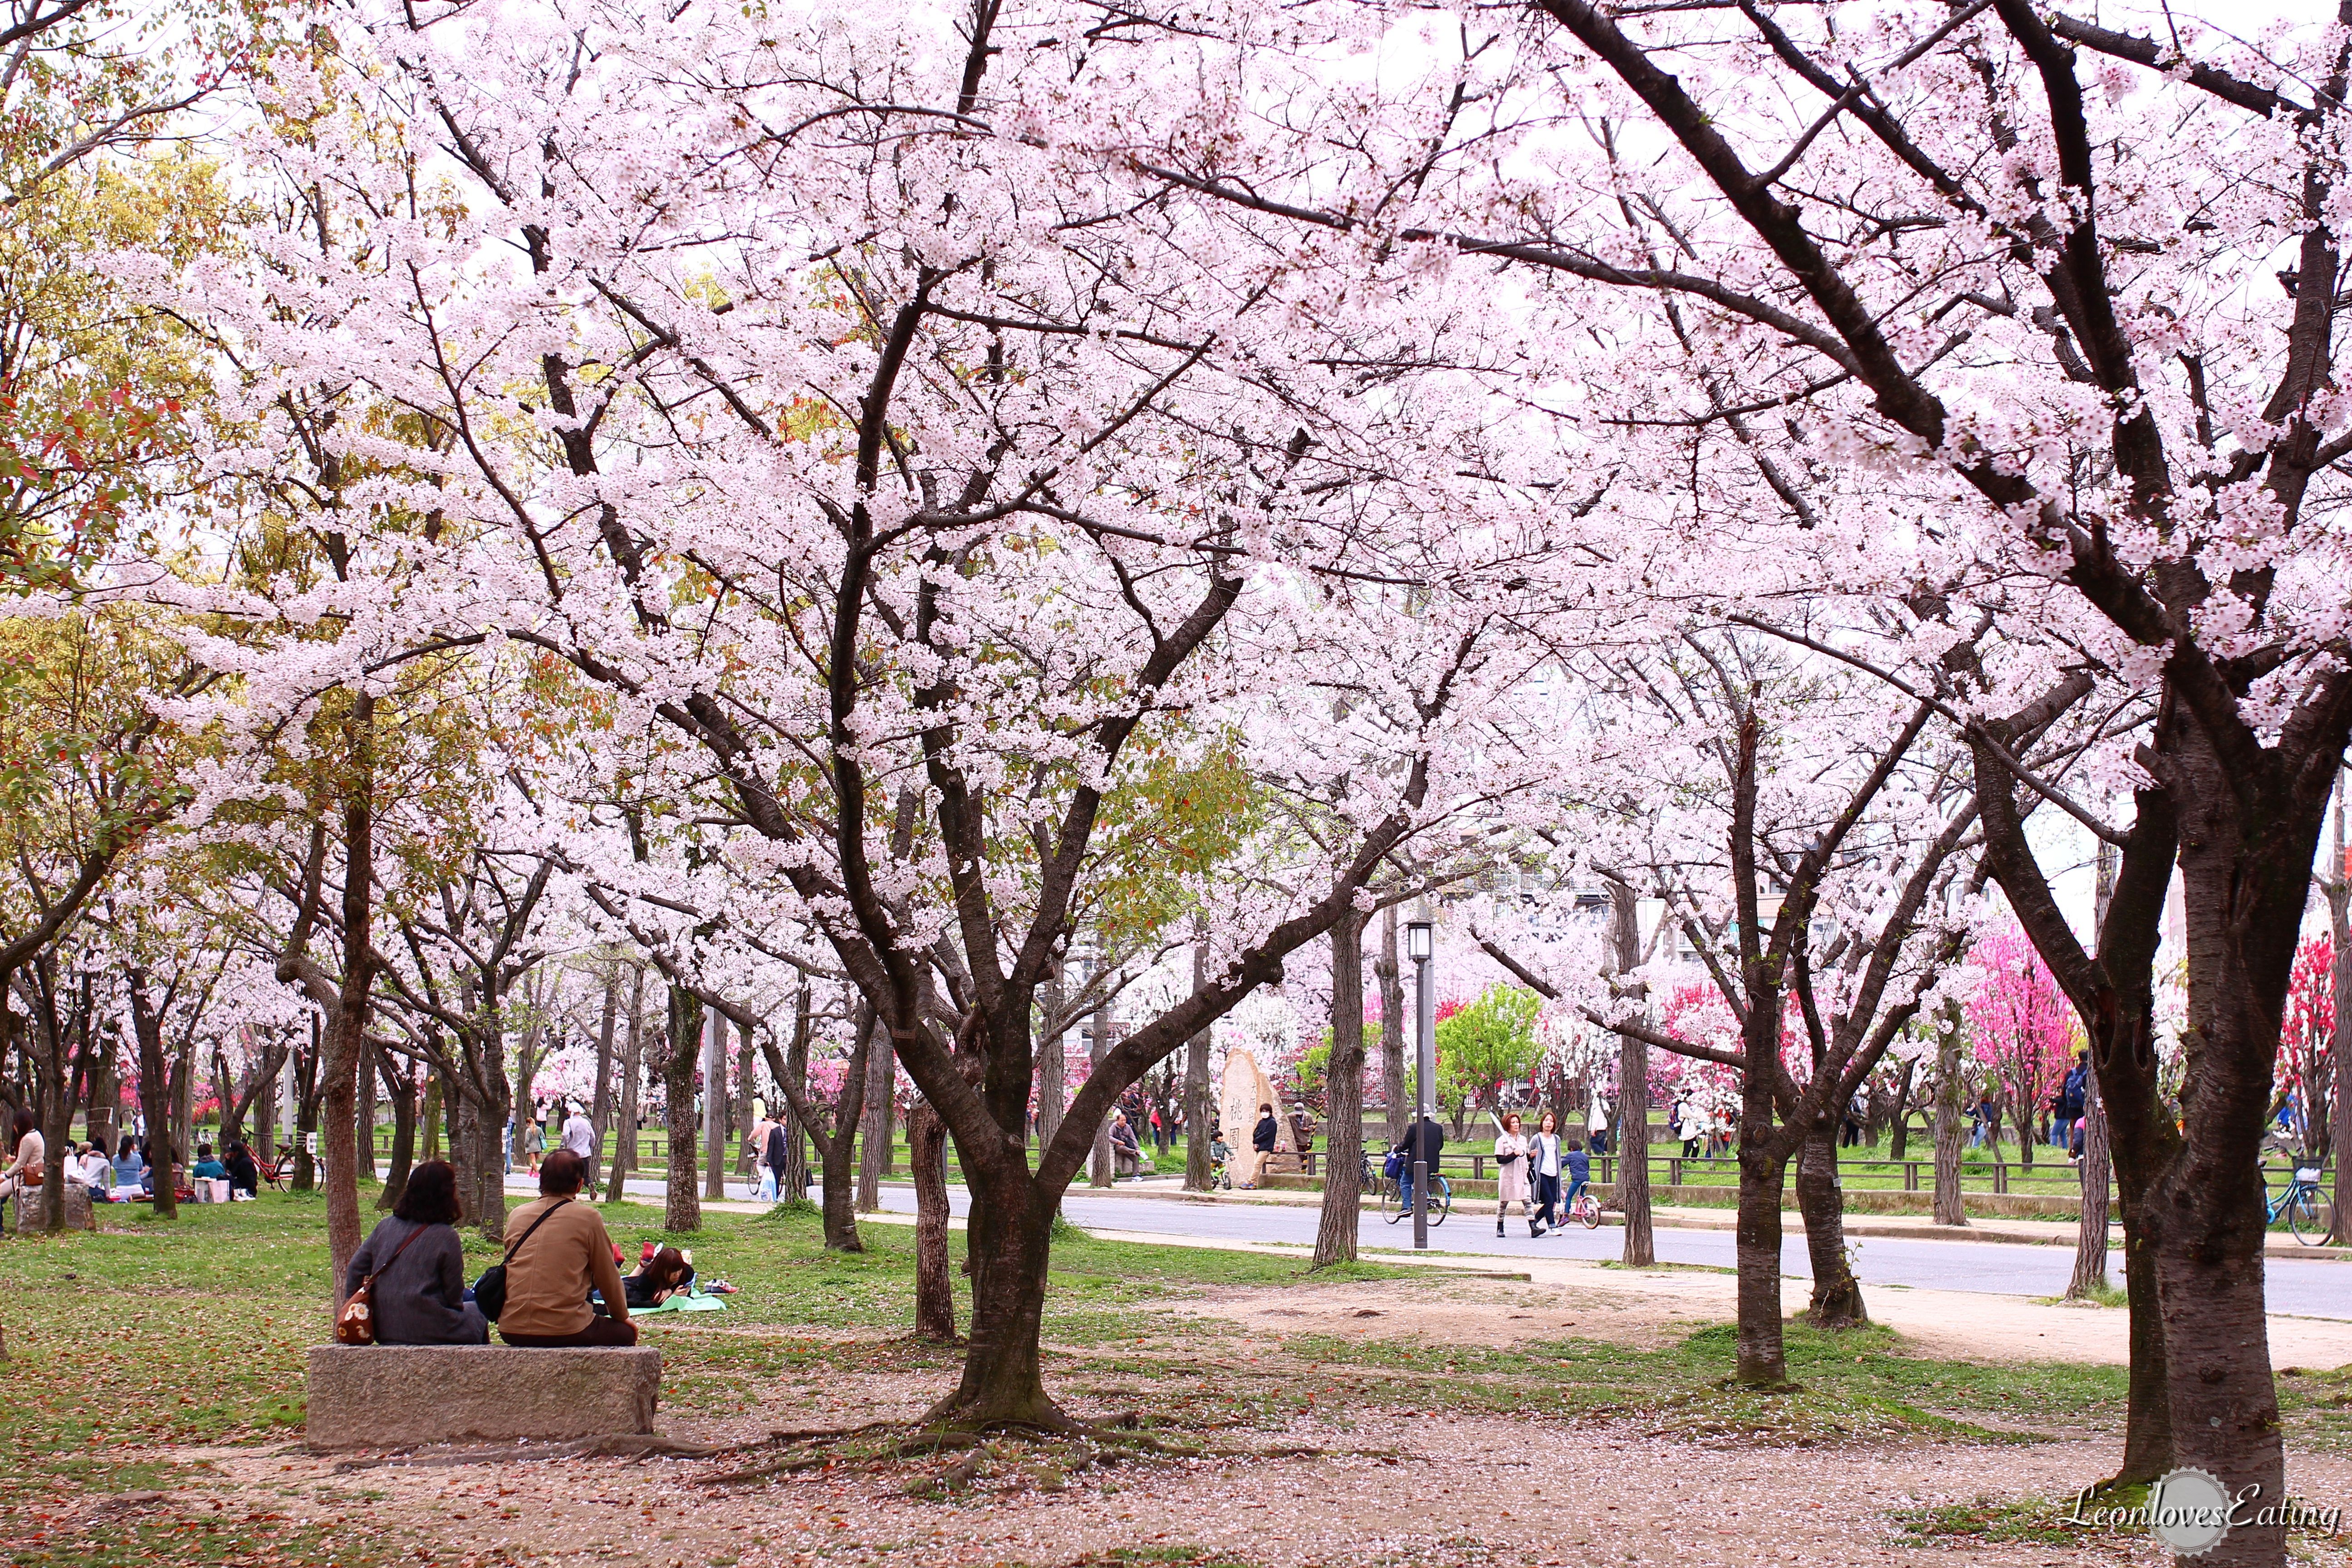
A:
{"x": 682, "y": 1302}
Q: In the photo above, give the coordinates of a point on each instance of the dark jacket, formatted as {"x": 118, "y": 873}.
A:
{"x": 244, "y": 1175}
{"x": 1579, "y": 1167}
{"x": 1263, "y": 1139}
{"x": 420, "y": 1298}
{"x": 1431, "y": 1144}
{"x": 779, "y": 1149}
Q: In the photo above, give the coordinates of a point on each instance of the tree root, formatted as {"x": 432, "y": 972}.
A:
{"x": 1115, "y": 1440}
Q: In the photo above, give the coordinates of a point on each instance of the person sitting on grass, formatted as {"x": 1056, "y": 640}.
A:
{"x": 130, "y": 1170}
{"x": 91, "y": 1169}
{"x": 28, "y": 1164}
{"x": 244, "y": 1175}
{"x": 207, "y": 1168}
{"x": 420, "y": 1265}
{"x": 560, "y": 1252}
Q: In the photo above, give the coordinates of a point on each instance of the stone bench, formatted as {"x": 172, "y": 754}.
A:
{"x": 405, "y": 1396}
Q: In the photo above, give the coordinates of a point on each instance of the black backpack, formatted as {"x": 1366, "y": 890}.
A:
{"x": 490, "y": 1289}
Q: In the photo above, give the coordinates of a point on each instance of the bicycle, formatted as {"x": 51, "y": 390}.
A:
{"x": 1441, "y": 1200}
{"x": 1586, "y": 1210}
{"x": 2308, "y": 1213}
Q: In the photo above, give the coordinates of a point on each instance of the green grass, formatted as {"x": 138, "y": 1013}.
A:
{"x": 1987, "y": 1521}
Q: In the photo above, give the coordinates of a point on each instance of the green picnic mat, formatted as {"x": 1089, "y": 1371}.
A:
{"x": 684, "y": 1303}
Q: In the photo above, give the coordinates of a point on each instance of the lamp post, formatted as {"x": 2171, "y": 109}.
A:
{"x": 1421, "y": 946}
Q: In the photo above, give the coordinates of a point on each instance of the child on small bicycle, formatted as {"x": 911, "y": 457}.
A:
{"x": 1579, "y": 1171}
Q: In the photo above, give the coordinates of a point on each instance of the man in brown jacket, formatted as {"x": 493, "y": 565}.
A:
{"x": 559, "y": 1251}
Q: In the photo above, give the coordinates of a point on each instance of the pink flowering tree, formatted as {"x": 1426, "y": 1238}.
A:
{"x": 2306, "y": 1069}
{"x": 2022, "y": 1027}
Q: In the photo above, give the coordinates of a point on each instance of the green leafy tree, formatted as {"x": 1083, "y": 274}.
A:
{"x": 1483, "y": 1046}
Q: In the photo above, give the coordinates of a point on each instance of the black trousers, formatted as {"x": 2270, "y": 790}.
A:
{"x": 1547, "y": 1199}
{"x": 600, "y": 1332}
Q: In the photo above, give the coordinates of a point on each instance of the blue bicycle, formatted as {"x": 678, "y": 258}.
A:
{"x": 2308, "y": 1214}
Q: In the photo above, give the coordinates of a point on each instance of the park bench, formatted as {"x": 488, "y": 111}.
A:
{"x": 406, "y": 1397}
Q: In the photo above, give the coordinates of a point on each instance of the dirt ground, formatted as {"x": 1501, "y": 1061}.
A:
{"x": 1385, "y": 1488}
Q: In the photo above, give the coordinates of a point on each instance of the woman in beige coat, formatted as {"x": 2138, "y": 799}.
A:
{"x": 1511, "y": 1175}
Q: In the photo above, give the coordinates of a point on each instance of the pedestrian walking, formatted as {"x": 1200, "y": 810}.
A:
{"x": 776, "y": 1155}
{"x": 1596, "y": 1127}
{"x": 534, "y": 1140}
{"x": 1511, "y": 1175}
{"x": 1543, "y": 1163}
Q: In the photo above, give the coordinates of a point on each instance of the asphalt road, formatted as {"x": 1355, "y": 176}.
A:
{"x": 2314, "y": 1288}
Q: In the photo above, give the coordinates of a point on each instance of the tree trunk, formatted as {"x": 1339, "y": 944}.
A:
{"x": 1837, "y": 1295}
{"x": 881, "y": 1072}
{"x": 339, "y": 1057}
{"x": 1009, "y": 1240}
{"x": 465, "y": 1146}
{"x": 683, "y": 1211}
{"x": 1053, "y": 1080}
{"x": 306, "y": 1113}
{"x": 927, "y": 1146}
{"x": 400, "y": 1089}
{"x": 155, "y": 1106}
{"x": 2245, "y": 867}
{"x": 1391, "y": 979}
{"x": 1949, "y": 1208}
{"x": 2096, "y": 1170}
{"x": 1198, "y": 1113}
{"x": 1632, "y": 1091}
{"x": 624, "y": 1135}
{"x": 1899, "y": 1140}
{"x": 600, "y": 1095}
{"x": 1334, "y": 1236}
{"x": 1099, "y": 1166}
{"x": 838, "y": 1153}
{"x": 712, "y": 1053}
{"x": 265, "y": 1108}
{"x": 429, "y": 1137}
{"x": 1762, "y": 1357}
{"x": 369, "y": 1056}
{"x": 793, "y": 1181}
{"x": 745, "y": 1075}
{"x": 2338, "y": 885}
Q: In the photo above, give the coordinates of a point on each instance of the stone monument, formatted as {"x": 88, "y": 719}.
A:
{"x": 1246, "y": 1089}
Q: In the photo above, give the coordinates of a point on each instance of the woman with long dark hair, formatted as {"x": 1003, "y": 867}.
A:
{"x": 28, "y": 1160}
{"x": 419, "y": 1265}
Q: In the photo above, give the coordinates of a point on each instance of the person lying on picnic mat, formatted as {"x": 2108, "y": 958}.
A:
{"x": 656, "y": 1277}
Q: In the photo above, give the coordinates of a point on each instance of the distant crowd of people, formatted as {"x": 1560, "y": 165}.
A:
{"x": 126, "y": 1177}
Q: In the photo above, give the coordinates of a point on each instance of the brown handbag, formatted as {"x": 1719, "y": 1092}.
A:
{"x": 355, "y": 1322}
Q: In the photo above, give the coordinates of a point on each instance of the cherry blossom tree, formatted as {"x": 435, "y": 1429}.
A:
{"x": 2022, "y": 1028}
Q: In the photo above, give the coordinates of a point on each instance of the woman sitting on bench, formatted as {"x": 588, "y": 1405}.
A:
{"x": 557, "y": 1253}
{"x": 420, "y": 1266}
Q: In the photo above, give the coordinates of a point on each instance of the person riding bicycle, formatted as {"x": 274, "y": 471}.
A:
{"x": 1580, "y": 1171}
{"x": 1424, "y": 1143}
